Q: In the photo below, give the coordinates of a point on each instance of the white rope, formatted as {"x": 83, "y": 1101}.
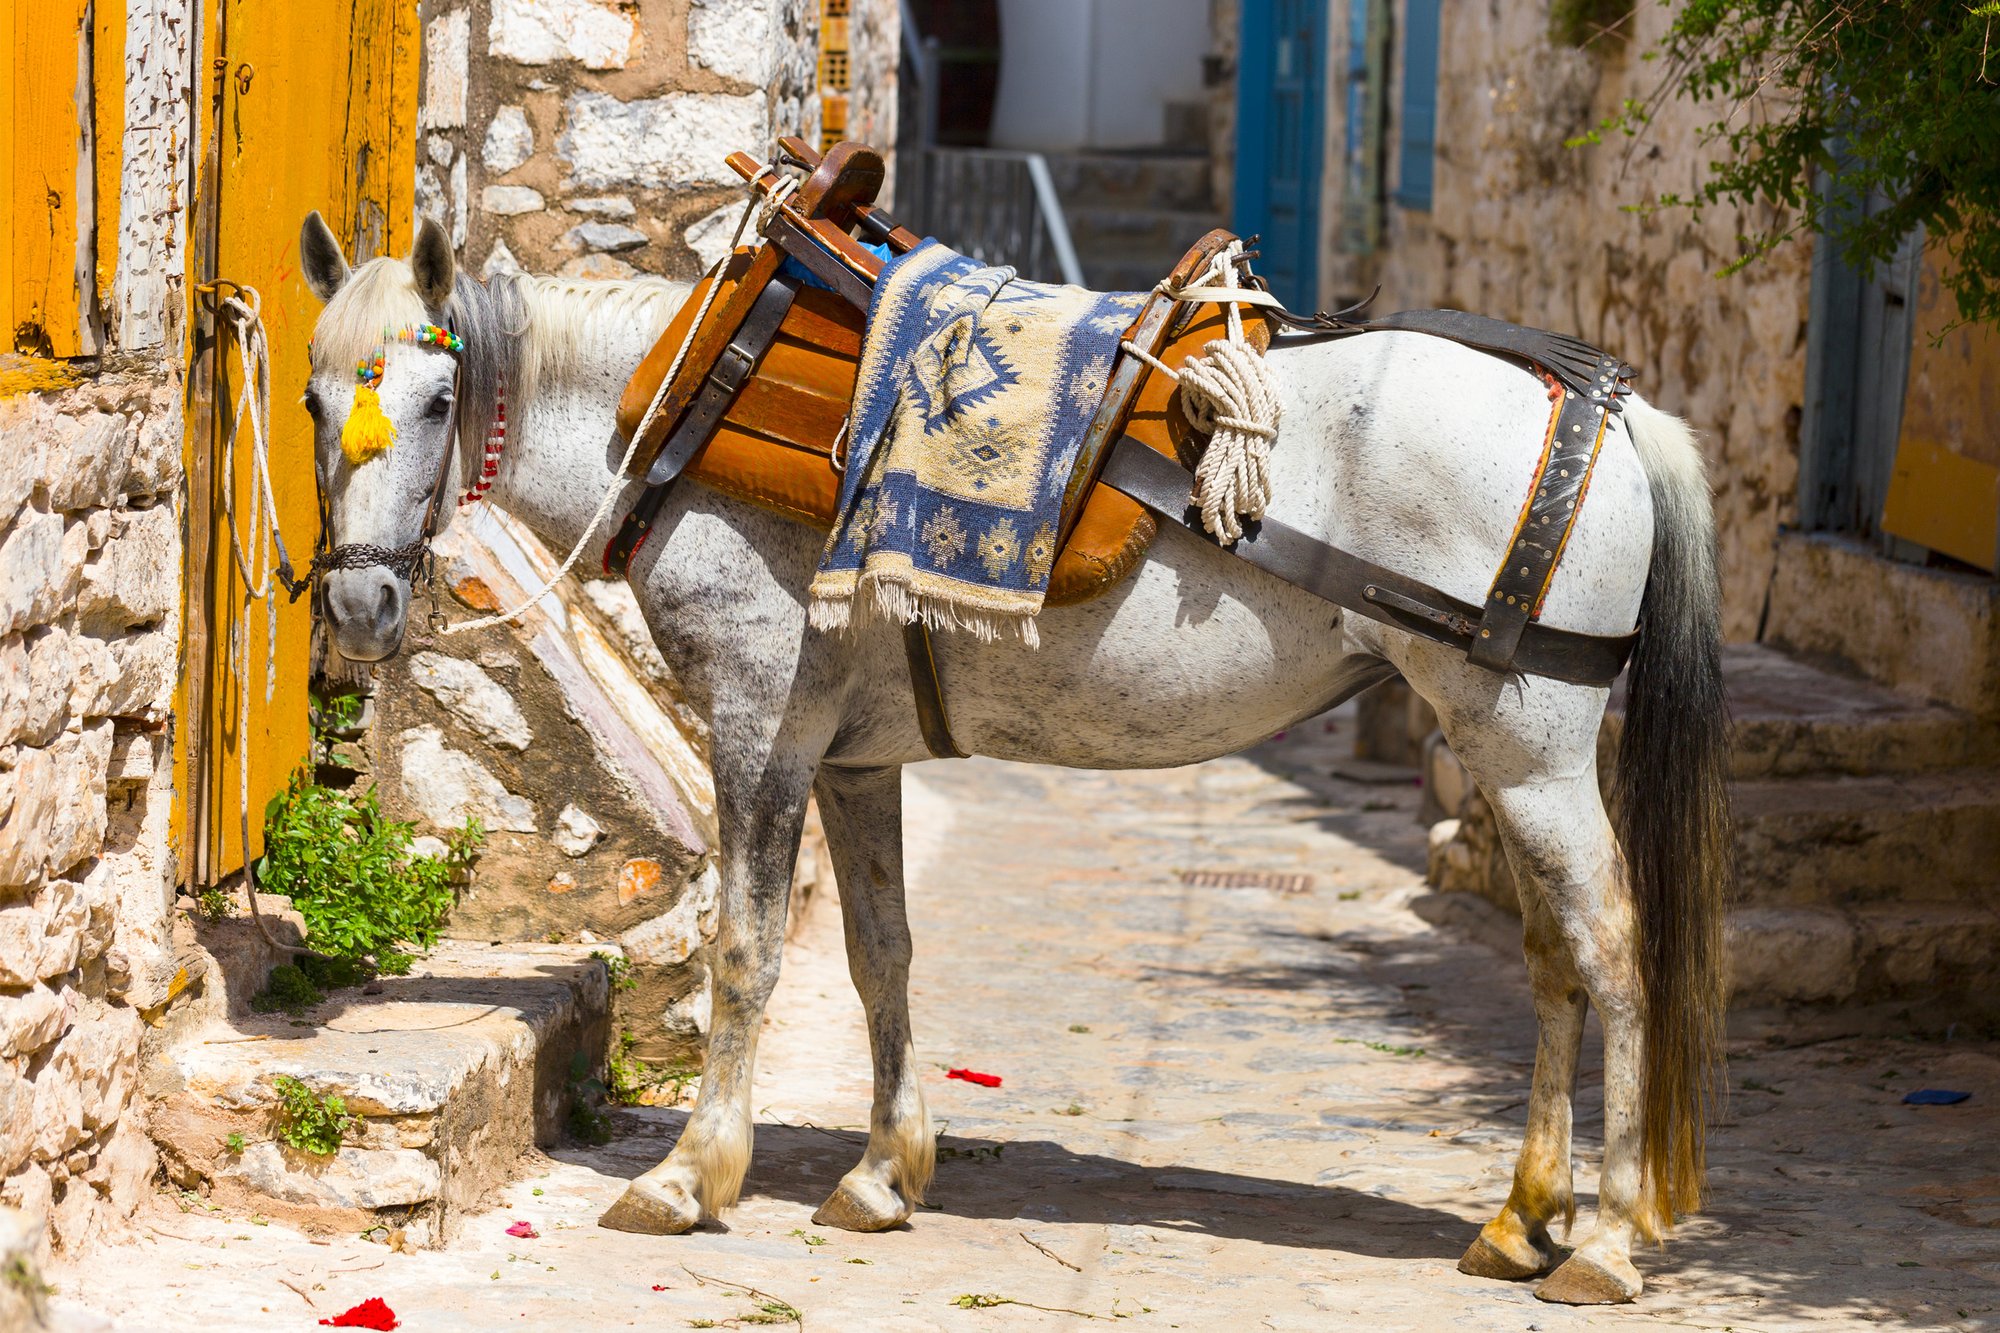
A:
{"x": 761, "y": 206}
{"x": 253, "y": 403}
{"x": 1228, "y": 393}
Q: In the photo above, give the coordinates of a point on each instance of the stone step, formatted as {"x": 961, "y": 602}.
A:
{"x": 1875, "y": 840}
{"x": 1132, "y": 180}
{"x": 455, "y": 1071}
{"x": 1820, "y": 955}
{"x": 1792, "y": 718}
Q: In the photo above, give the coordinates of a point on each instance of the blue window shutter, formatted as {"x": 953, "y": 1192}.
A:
{"x": 1418, "y": 147}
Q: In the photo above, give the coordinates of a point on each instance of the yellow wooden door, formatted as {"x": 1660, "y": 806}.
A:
{"x": 1945, "y": 491}
{"x": 312, "y": 105}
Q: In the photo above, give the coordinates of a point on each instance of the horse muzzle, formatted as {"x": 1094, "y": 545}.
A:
{"x": 366, "y": 610}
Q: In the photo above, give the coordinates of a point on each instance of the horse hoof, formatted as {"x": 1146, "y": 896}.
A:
{"x": 1514, "y": 1258}
{"x": 1582, "y": 1280}
{"x": 652, "y": 1211}
{"x": 862, "y": 1206}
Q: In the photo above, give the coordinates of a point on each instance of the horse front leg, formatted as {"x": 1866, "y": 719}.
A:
{"x": 863, "y": 812}
{"x": 760, "y": 800}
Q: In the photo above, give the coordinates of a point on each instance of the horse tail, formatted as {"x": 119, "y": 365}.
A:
{"x": 1672, "y": 802}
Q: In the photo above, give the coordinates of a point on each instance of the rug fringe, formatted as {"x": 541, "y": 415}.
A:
{"x": 883, "y": 594}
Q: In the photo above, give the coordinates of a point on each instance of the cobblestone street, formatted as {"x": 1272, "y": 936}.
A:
{"x": 1221, "y": 1107}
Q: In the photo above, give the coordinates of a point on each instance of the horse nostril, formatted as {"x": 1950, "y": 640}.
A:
{"x": 385, "y": 611}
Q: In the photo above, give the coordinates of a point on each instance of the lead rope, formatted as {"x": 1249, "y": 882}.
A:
{"x": 763, "y": 207}
{"x": 253, "y": 402}
{"x": 1229, "y": 393}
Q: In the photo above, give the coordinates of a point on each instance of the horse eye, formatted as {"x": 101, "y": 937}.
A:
{"x": 440, "y": 407}
{"x": 312, "y": 404}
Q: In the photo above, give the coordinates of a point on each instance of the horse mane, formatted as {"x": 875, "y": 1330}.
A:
{"x": 571, "y": 323}
{"x": 520, "y": 331}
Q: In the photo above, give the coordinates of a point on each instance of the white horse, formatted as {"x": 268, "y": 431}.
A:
{"x": 1406, "y": 449}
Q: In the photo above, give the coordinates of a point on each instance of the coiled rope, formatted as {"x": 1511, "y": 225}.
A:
{"x": 1229, "y": 393}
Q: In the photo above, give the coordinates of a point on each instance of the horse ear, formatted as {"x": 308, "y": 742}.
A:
{"x": 431, "y": 261}
{"x": 319, "y": 254}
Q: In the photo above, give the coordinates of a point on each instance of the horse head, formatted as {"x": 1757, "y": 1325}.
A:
{"x": 408, "y": 357}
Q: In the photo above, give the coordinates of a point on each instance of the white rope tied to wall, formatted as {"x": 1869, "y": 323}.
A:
{"x": 1228, "y": 393}
{"x": 761, "y": 206}
{"x": 243, "y": 314}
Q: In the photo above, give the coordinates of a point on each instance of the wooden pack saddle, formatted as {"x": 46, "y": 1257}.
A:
{"x": 778, "y": 399}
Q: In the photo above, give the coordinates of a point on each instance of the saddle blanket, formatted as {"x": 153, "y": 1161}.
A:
{"x": 974, "y": 393}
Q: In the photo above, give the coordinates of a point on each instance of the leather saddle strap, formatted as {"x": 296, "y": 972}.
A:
{"x": 932, "y": 717}
{"x": 732, "y": 369}
{"x": 1164, "y": 486}
{"x": 1548, "y": 517}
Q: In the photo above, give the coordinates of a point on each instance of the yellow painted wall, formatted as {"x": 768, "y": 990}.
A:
{"x": 317, "y": 110}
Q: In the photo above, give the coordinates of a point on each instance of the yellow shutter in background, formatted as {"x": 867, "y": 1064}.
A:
{"x": 1945, "y": 491}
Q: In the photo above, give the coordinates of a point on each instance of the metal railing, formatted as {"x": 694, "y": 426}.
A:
{"x": 997, "y": 205}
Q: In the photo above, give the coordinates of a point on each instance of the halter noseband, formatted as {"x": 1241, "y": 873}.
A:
{"x": 404, "y": 561}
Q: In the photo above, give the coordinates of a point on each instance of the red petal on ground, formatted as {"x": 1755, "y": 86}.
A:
{"x": 658, "y": 1287}
{"x": 372, "y": 1313}
{"x": 974, "y": 1076}
{"x": 525, "y": 1230}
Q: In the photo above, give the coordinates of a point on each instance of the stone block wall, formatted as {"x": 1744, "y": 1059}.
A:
{"x": 90, "y": 594}
{"x": 587, "y": 137}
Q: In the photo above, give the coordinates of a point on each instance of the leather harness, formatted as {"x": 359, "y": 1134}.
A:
{"x": 1503, "y": 635}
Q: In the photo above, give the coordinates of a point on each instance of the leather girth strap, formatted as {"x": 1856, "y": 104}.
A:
{"x": 1163, "y": 486}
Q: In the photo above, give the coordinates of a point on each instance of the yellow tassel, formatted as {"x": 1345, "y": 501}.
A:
{"x": 368, "y": 430}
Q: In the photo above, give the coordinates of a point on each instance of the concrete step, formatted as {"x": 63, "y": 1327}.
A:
{"x": 455, "y": 1071}
{"x": 1877, "y": 840}
{"x": 1792, "y": 718}
{"x": 1130, "y": 233}
{"x": 1132, "y": 180}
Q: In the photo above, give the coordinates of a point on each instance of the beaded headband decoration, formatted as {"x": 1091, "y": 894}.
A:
{"x": 369, "y": 430}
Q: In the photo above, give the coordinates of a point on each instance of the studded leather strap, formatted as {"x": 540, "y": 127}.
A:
{"x": 1548, "y": 516}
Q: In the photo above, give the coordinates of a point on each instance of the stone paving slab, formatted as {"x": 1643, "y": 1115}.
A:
{"x": 1221, "y": 1108}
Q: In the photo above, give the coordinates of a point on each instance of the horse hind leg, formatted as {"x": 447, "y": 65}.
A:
{"x": 1516, "y": 1244}
{"x": 760, "y": 819}
{"x": 863, "y": 812}
{"x": 1574, "y": 887}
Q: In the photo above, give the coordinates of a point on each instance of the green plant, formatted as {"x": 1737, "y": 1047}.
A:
{"x": 586, "y": 1123}
{"x": 286, "y": 990}
{"x": 234, "y": 1143}
{"x": 213, "y": 903}
{"x": 308, "y": 1121}
{"x": 620, "y": 968}
{"x": 350, "y": 873}
{"x": 631, "y": 1078}
{"x": 1894, "y": 102}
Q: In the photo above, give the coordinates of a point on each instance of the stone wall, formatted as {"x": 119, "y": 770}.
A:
{"x": 90, "y": 560}
{"x": 587, "y": 137}
{"x": 90, "y": 603}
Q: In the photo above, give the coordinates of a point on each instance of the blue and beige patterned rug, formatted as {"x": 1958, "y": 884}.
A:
{"x": 974, "y": 393}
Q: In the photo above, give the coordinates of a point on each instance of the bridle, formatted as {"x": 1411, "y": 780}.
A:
{"x": 407, "y": 560}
